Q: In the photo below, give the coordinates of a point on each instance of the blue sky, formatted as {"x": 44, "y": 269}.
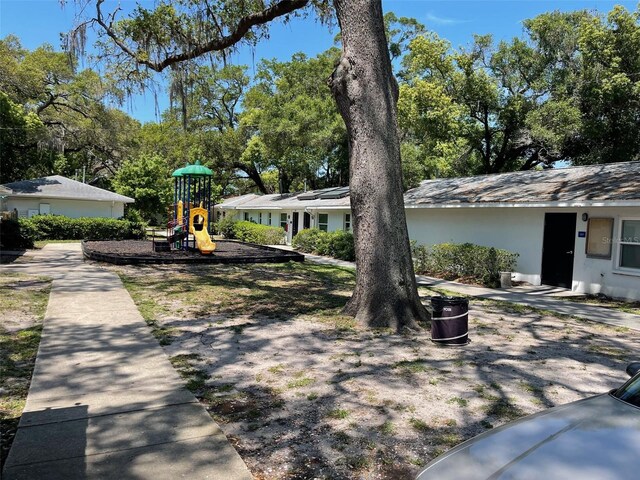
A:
{"x": 41, "y": 21}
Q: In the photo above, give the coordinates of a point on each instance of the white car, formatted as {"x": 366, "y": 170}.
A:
{"x": 597, "y": 438}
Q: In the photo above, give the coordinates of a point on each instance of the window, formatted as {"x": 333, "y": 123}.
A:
{"x": 630, "y": 244}
{"x": 347, "y": 222}
{"x": 246, "y": 216}
{"x": 283, "y": 220}
{"x": 269, "y": 218}
{"x": 599, "y": 235}
{"x": 323, "y": 221}
{"x": 260, "y": 218}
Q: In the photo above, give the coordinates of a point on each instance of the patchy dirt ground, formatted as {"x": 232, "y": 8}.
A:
{"x": 22, "y": 305}
{"x": 303, "y": 393}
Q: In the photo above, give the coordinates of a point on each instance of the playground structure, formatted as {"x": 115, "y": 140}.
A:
{"x": 191, "y": 213}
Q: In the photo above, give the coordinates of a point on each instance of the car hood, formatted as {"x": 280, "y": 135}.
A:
{"x": 597, "y": 438}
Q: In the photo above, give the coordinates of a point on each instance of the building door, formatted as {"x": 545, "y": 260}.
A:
{"x": 294, "y": 226}
{"x": 558, "y": 248}
{"x": 306, "y": 221}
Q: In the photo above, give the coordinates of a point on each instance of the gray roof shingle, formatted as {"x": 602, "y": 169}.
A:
{"x": 287, "y": 201}
{"x": 613, "y": 182}
{"x": 593, "y": 184}
{"x": 57, "y": 186}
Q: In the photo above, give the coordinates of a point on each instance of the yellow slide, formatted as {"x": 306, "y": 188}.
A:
{"x": 203, "y": 241}
{"x": 197, "y": 226}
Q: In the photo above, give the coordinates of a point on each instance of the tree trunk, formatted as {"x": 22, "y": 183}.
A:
{"x": 366, "y": 92}
{"x": 253, "y": 174}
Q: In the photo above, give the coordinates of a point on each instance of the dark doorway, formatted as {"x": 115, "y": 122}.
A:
{"x": 306, "y": 220}
{"x": 558, "y": 248}
{"x": 294, "y": 227}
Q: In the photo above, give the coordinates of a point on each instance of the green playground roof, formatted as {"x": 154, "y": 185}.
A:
{"x": 197, "y": 169}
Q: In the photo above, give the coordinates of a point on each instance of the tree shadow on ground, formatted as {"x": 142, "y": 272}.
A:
{"x": 304, "y": 399}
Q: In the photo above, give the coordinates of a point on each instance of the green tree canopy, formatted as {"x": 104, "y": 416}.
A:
{"x": 567, "y": 90}
{"x": 147, "y": 179}
{"x": 79, "y": 130}
{"x": 296, "y": 129}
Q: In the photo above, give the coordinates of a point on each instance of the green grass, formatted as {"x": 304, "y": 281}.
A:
{"x": 622, "y": 305}
{"x": 27, "y": 296}
{"x": 412, "y": 366}
{"x": 41, "y": 243}
{"x": 461, "y": 402}
{"x": 387, "y": 428}
{"x": 301, "y": 382}
{"x": 185, "y": 365}
{"x": 338, "y": 413}
{"x": 503, "y": 409}
{"x": 419, "y": 425}
{"x": 252, "y": 290}
{"x": 277, "y": 369}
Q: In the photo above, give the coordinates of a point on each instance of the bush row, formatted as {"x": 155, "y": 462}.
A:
{"x": 472, "y": 262}
{"x": 250, "y": 232}
{"x": 24, "y": 232}
{"x": 336, "y": 244}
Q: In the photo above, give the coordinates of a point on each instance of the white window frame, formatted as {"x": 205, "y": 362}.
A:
{"x": 326, "y": 225}
{"x": 260, "y": 218}
{"x": 618, "y": 268}
{"x": 269, "y": 218}
{"x": 346, "y": 222}
{"x": 246, "y": 216}
{"x": 283, "y": 222}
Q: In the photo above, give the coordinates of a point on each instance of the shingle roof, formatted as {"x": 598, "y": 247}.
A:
{"x": 593, "y": 184}
{"x": 287, "y": 201}
{"x": 57, "y": 186}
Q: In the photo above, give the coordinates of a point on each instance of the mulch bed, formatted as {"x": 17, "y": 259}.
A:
{"x": 128, "y": 252}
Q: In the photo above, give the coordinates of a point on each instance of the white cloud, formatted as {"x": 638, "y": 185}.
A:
{"x": 444, "y": 20}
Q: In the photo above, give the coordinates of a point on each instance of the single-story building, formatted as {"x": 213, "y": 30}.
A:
{"x": 328, "y": 209}
{"x": 577, "y": 227}
{"x": 59, "y": 195}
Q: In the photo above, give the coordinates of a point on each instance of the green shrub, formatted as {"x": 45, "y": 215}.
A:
{"x": 225, "y": 227}
{"x": 58, "y": 227}
{"x": 14, "y": 235}
{"x": 472, "y": 262}
{"x": 336, "y": 244}
{"x": 257, "y": 233}
{"x": 341, "y": 245}
{"x": 307, "y": 240}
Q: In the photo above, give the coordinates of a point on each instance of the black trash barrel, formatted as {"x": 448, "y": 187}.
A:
{"x": 450, "y": 320}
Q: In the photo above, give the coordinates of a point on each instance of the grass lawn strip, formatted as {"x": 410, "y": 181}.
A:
{"x": 23, "y": 301}
{"x": 303, "y": 392}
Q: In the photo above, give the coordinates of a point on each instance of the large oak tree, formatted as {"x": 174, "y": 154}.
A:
{"x": 365, "y": 90}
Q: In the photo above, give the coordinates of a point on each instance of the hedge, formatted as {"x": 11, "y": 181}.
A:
{"x": 250, "y": 232}
{"x": 15, "y": 236}
{"x": 467, "y": 261}
{"x": 225, "y": 227}
{"x": 338, "y": 244}
{"x": 58, "y": 227}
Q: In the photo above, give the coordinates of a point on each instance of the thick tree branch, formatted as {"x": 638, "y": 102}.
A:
{"x": 245, "y": 24}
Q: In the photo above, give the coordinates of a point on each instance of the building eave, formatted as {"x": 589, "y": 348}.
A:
{"x": 570, "y": 204}
{"x": 56, "y": 197}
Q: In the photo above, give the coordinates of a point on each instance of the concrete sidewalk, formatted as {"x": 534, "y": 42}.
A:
{"x": 543, "y": 298}
{"x": 104, "y": 401}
